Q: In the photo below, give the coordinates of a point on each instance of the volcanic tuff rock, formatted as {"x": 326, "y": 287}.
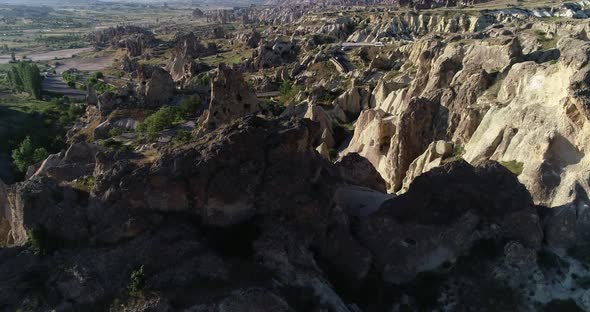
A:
{"x": 182, "y": 66}
{"x": 113, "y": 35}
{"x": 444, "y": 212}
{"x": 275, "y": 53}
{"x": 231, "y": 98}
{"x": 114, "y": 223}
{"x": 156, "y": 86}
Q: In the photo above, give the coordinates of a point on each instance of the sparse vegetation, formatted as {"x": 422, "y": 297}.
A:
{"x": 39, "y": 242}
{"x": 165, "y": 118}
{"x": 458, "y": 152}
{"x": 547, "y": 42}
{"x": 28, "y": 154}
{"x": 182, "y": 137}
{"x": 271, "y": 107}
{"x": 288, "y": 92}
{"x": 514, "y": 166}
{"x": 190, "y": 105}
{"x": 116, "y": 131}
{"x": 85, "y": 184}
{"x": 136, "y": 282}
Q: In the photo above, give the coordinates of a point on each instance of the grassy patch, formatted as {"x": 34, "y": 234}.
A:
{"x": 514, "y": 166}
{"x": 85, "y": 184}
{"x": 458, "y": 152}
{"x": 547, "y": 43}
{"x": 136, "y": 282}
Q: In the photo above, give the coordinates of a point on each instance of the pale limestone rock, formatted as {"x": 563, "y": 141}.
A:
{"x": 316, "y": 113}
{"x": 231, "y": 98}
{"x": 323, "y": 150}
{"x": 431, "y": 158}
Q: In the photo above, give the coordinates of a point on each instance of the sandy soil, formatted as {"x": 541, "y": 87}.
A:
{"x": 47, "y": 56}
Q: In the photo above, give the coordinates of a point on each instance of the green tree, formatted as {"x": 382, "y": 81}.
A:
{"x": 165, "y": 118}
{"x": 26, "y": 77}
{"x": 190, "y": 105}
{"x": 26, "y": 154}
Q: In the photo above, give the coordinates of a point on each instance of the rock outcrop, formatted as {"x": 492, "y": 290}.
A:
{"x": 443, "y": 213}
{"x": 275, "y": 53}
{"x": 231, "y": 98}
{"x": 183, "y": 66}
{"x": 156, "y": 87}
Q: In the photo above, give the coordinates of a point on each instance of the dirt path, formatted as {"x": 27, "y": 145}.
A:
{"x": 85, "y": 64}
{"x": 46, "y": 56}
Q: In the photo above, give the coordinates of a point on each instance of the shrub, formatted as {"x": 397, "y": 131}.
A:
{"x": 27, "y": 154}
{"x": 270, "y": 107}
{"x": 136, "y": 282}
{"x": 39, "y": 243}
{"x": 116, "y": 131}
{"x": 288, "y": 92}
{"x": 165, "y": 118}
{"x": 514, "y": 166}
{"x": 203, "y": 80}
{"x": 182, "y": 137}
{"x": 190, "y": 105}
{"x": 85, "y": 184}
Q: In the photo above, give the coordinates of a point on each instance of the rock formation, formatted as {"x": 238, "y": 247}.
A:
{"x": 183, "y": 66}
{"x": 133, "y": 38}
{"x": 156, "y": 86}
{"x": 231, "y": 98}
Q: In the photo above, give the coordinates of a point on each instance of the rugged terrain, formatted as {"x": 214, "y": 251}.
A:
{"x": 332, "y": 156}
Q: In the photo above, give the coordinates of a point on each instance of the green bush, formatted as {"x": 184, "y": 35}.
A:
{"x": 115, "y": 132}
{"x": 288, "y": 92}
{"x": 69, "y": 77}
{"x": 136, "y": 282}
{"x": 203, "y": 80}
{"x": 165, "y": 118}
{"x": 190, "y": 105}
{"x": 38, "y": 242}
{"x": 182, "y": 137}
{"x": 514, "y": 166}
{"x": 85, "y": 184}
{"x": 27, "y": 154}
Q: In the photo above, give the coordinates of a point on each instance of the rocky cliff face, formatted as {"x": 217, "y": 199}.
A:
{"x": 247, "y": 216}
{"x": 155, "y": 87}
{"x": 231, "y": 98}
{"x": 461, "y": 90}
{"x": 134, "y": 39}
{"x": 183, "y": 67}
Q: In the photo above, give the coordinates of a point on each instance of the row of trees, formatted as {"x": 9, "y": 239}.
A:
{"x": 26, "y": 77}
